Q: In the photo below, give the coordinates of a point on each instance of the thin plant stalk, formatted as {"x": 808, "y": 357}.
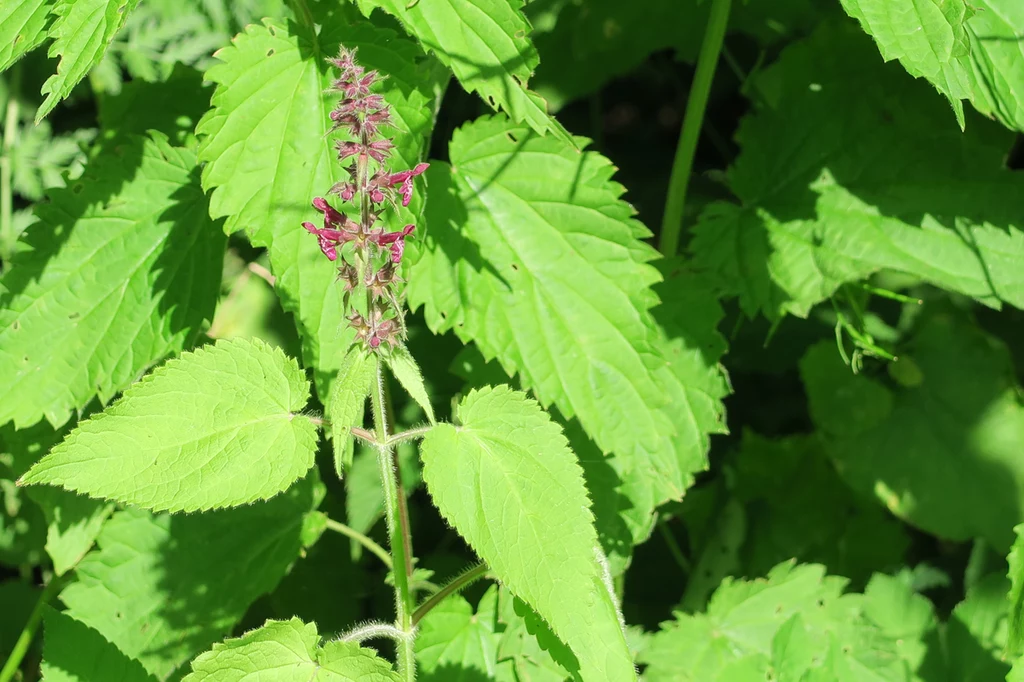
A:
{"x": 682, "y": 166}
{"x": 457, "y": 585}
{"x": 28, "y": 632}
{"x": 397, "y": 531}
{"x": 363, "y": 540}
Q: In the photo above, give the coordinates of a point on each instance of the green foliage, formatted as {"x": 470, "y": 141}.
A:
{"x": 485, "y": 44}
{"x": 120, "y": 270}
{"x": 959, "y": 429}
{"x": 81, "y": 32}
{"x": 816, "y": 211}
{"x": 347, "y": 402}
{"x": 542, "y": 218}
{"x": 506, "y": 448}
{"x": 74, "y": 651}
{"x": 23, "y": 27}
{"x": 289, "y": 650}
{"x": 174, "y": 342}
{"x": 798, "y": 623}
{"x": 217, "y": 427}
{"x": 163, "y": 588}
{"x": 929, "y": 38}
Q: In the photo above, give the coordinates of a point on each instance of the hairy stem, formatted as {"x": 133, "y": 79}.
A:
{"x": 398, "y": 530}
{"x": 28, "y": 632}
{"x": 7, "y": 166}
{"x": 363, "y": 540}
{"x": 411, "y": 434}
{"x": 682, "y": 167}
{"x": 403, "y": 508}
{"x": 457, "y": 585}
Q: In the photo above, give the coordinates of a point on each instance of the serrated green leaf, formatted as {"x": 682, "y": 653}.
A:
{"x": 73, "y": 521}
{"x": 1015, "y": 637}
{"x": 928, "y": 37}
{"x": 485, "y": 43}
{"x": 81, "y": 33}
{"x": 506, "y": 480}
{"x": 74, "y": 652}
{"x": 404, "y": 368}
{"x": 976, "y": 634}
{"x": 163, "y": 588}
{"x": 40, "y": 159}
{"x": 173, "y": 106}
{"x": 122, "y": 270}
{"x": 268, "y": 153}
{"x": 282, "y": 651}
{"x": 737, "y": 636}
{"x": 997, "y": 58}
{"x": 905, "y": 616}
{"x": 217, "y": 427}
{"x": 453, "y": 644}
{"x": 23, "y": 27}
{"x": 943, "y": 455}
{"x": 815, "y": 211}
{"x": 533, "y": 255}
{"x": 347, "y": 403}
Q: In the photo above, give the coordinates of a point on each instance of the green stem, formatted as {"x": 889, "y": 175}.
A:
{"x": 398, "y": 530}
{"x": 7, "y": 166}
{"x": 674, "y": 549}
{"x": 363, "y": 540}
{"x": 29, "y": 631}
{"x": 458, "y": 584}
{"x": 411, "y": 434}
{"x": 682, "y": 167}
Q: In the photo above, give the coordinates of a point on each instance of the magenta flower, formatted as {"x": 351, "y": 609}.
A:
{"x": 397, "y": 242}
{"x": 372, "y": 187}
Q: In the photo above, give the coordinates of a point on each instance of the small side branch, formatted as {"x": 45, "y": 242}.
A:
{"x": 363, "y": 540}
{"x": 461, "y": 582}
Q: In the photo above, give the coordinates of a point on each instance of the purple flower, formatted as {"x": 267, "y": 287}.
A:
{"x": 397, "y": 242}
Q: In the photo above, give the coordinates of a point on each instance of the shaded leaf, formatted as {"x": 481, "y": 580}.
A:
{"x": 121, "y": 270}
{"x": 163, "y": 588}
{"x": 944, "y": 454}
{"x": 74, "y": 652}
{"x": 814, "y": 210}
{"x": 507, "y": 481}
{"x": 455, "y": 644}
{"x": 217, "y": 427}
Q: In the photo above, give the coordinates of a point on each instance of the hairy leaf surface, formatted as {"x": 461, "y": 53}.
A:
{"x": 163, "y": 588}
{"x": 281, "y": 651}
{"x": 81, "y": 33}
{"x": 268, "y": 153}
{"x": 121, "y": 270}
{"x": 403, "y": 366}
{"x": 507, "y": 481}
{"x": 942, "y": 453}
{"x": 485, "y": 44}
{"x": 217, "y": 427}
{"x": 857, "y": 173}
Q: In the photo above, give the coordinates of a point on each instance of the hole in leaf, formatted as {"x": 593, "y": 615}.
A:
{"x": 270, "y": 52}
{"x": 511, "y": 137}
{"x": 77, "y": 188}
{"x": 515, "y": 267}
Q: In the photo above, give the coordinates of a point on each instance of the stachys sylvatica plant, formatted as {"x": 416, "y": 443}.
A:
{"x": 224, "y": 426}
{"x": 267, "y": 266}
